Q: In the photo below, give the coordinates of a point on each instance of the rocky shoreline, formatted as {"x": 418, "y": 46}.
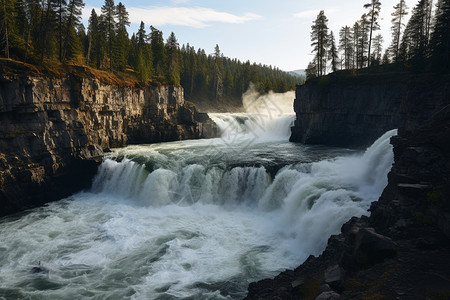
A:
{"x": 53, "y": 131}
{"x": 401, "y": 250}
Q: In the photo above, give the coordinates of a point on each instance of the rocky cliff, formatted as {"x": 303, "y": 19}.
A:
{"x": 353, "y": 111}
{"x": 53, "y": 131}
{"x": 401, "y": 250}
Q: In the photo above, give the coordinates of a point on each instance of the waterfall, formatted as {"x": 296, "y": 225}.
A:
{"x": 261, "y": 127}
{"x": 195, "y": 219}
{"x": 314, "y": 198}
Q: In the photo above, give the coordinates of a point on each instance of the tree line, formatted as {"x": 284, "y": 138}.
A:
{"x": 51, "y": 32}
{"x": 423, "y": 42}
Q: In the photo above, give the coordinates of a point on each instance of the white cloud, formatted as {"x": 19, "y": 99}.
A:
{"x": 197, "y": 17}
{"x": 307, "y": 14}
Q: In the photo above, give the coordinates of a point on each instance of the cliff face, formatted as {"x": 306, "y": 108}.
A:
{"x": 401, "y": 250}
{"x": 53, "y": 131}
{"x": 341, "y": 110}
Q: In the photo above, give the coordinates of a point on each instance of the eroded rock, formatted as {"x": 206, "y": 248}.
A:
{"x": 53, "y": 131}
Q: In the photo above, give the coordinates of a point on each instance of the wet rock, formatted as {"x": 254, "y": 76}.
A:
{"x": 324, "y": 288}
{"x": 297, "y": 282}
{"x": 333, "y": 275}
{"x": 39, "y": 269}
{"x": 329, "y": 295}
{"x": 372, "y": 248}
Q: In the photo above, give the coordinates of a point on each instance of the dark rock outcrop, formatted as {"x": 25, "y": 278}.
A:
{"x": 353, "y": 111}
{"x": 53, "y": 131}
{"x": 401, "y": 250}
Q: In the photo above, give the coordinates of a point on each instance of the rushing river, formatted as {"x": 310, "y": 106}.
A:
{"x": 196, "y": 219}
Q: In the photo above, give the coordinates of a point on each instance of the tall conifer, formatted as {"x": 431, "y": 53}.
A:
{"x": 374, "y": 11}
{"x": 320, "y": 41}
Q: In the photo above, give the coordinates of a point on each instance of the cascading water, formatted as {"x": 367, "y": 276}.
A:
{"x": 193, "y": 219}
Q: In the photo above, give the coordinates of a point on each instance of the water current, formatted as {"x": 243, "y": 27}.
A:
{"x": 197, "y": 219}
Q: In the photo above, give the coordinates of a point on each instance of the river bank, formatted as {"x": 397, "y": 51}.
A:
{"x": 55, "y": 130}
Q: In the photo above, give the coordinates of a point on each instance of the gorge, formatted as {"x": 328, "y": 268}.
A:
{"x": 204, "y": 218}
{"x": 159, "y": 217}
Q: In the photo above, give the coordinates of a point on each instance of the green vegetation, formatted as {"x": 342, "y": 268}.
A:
{"x": 49, "y": 35}
{"x": 320, "y": 42}
{"x": 422, "y": 45}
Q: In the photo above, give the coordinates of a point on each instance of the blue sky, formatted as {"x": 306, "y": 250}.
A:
{"x": 270, "y": 32}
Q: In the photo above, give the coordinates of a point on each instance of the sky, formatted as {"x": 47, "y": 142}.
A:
{"x": 270, "y": 32}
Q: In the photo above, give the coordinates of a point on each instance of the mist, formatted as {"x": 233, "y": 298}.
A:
{"x": 271, "y": 103}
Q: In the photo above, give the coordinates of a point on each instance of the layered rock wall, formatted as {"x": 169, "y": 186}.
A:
{"x": 53, "y": 131}
{"x": 353, "y": 111}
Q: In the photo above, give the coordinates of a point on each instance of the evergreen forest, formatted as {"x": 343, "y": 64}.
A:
{"x": 420, "y": 43}
{"x": 51, "y": 32}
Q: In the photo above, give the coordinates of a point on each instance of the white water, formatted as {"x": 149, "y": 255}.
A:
{"x": 192, "y": 219}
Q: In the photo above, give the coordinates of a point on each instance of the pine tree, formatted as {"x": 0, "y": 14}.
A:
{"x": 415, "y": 38}
{"x": 173, "y": 69}
{"x": 22, "y": 18}
{"x": 60, "y": 13}
{"x": 428, "y": 18}
{"x": 333, "y": 55}
{"x": 311, "y": 70}
{"x": 377, "y": 49}
{"x": 141, "y": 35}
{"x": 158, "y": 51}
{"x": 143, "y": 62}
{"x": 360, "y": 33}
{"x": 218, "y": 81}
{"x": 440, "y": 38}
{"x": 320, "y": 41}
{"x": 92, "y": 31}
{"x": 17, "y": 26}
{"x": 400, "y": 11}
{"x": 13, "y": 23}
{"x": 189, "y": 70}
{"x": 32, "y": 36}
{"x": 385, "y": 60}
{"x": 96, "y": 41}
{"x": 356, "y": 51}
{"x": 71, "y": 45}
{"x": 121, "y": 41}
{"x": 80, "y": 47}
{"x": 109, "y": 23}
{"x": 51, "y": 30}
{"x": 364, "y": 39}
{"x": 46, "y": 41}
{"x": 374, "y": 11}
{"x": 346, "y": 46}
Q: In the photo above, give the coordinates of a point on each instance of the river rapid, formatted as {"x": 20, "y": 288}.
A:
{"x": 197, "y": 219}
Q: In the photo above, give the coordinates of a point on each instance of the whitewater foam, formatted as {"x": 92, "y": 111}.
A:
{"x": 182, "y": 220}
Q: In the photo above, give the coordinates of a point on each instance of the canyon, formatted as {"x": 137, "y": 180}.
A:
{"x": 55, "y": 130}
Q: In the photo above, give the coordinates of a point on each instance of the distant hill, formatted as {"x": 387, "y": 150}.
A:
{"x": 298, "y": 73}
